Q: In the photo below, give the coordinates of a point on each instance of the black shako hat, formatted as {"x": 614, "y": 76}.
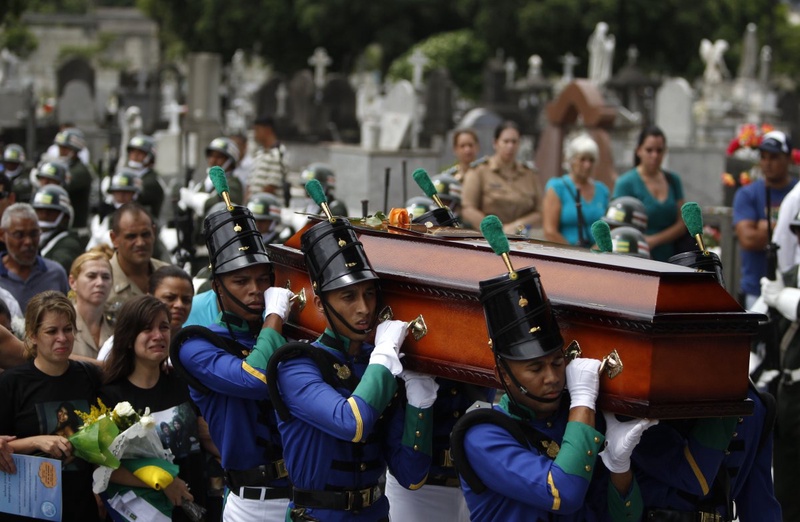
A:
{"x": 519, "y": 317}
{"x": 438, "y": 217}
{"x": 233, "y": 240}
{"x": 334, "y": 256}
{"x": 706, "y": 261}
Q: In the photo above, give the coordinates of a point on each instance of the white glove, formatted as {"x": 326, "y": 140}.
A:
{"x": 621, "y": 438}
{"x": 784, "y": 300}
{"x": 277, "y": 302}
{"x": 420, "y": 389}
{"x": 388, "y": 339}
{"x": 193, "y": 200}
{"x": 583, "y": 382}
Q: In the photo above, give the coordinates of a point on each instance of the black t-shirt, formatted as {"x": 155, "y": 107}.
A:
{"x": 34, "y": 403}
{"x": 176, "y": 422}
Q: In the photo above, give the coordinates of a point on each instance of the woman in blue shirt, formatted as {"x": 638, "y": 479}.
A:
{"x": 575, "y": 200}
{"x": 660, "y": 191}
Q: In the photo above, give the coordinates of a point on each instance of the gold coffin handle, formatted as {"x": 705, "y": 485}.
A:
{"x": 611, "y": 364}
{"x": 417, "y": 327}
{"x": 299, "y": 298}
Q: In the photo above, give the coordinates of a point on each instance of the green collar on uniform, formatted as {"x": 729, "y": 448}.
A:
{"x": 339, "y": 342}
{"x": 505, "y": 403}
{"x": 234, "y": 322}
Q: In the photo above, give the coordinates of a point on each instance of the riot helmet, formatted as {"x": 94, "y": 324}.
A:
{"x": 630, "y": 241}
{"x": 145, "y": 144}
{"x": 626, "y": 211}
{"x": 449, "y": 189}
{"x": 72, "y": 139}
{"x": 322, "y": 173}
{"x": 228, "y": 149}
{"x": 53, "y": 173}
{"x": 13, "y": 158}
{"x": 52, "y": 198}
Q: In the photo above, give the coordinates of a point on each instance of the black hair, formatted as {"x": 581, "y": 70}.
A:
{"x": 265, "y": 121}
{"x": 648, "y": 131}
{"x": 508, "y": 124}
{"x": 128, "y": 208}
{"x": 157, "y": 277}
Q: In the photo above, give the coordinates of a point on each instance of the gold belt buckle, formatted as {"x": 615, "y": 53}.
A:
{"x": 366, "y": 497}
{"x": 710, "y": 517}
{"x": 280, "y": 468}
{"x": 447, "y": 461}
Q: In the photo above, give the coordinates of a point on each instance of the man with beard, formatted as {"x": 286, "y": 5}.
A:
{"x": 24, "y": 273}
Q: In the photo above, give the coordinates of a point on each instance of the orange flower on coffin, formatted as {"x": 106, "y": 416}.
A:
{"x": 728, "y": 180}
{"x": 745, "y": 178}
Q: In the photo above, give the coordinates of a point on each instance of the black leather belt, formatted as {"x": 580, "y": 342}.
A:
{"x": 671, "y": 515}
{"x": 261, "y": 476}
{"x": 262, "y": 493}
{"x": 351, "y": 500}
{"x": 443, "y": 480}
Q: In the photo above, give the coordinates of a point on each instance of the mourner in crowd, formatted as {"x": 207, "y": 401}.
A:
{"x": 225, "y": 365}
{"x": 750, "y": 210}
{"x": 24, "y": 272}
{"x": 133, "y": 236}
{"x": 340, "y": 417}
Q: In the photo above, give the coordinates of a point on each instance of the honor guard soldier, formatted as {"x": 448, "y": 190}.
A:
{"x": 783, "y": 295}
{"x": 54, "y": 210}
{"x": 338, "y": 419}
{"x": 141, "y": 161}
{"x": 14, "y": 167}
{"x": 533, "y": 456}
{"x": 225, "y": 364}
{"x": 70, "y": 142}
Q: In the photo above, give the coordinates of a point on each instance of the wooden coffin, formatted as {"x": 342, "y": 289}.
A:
{"x": 683, "y": 340}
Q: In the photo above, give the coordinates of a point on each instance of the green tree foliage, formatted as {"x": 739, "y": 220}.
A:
{"x": 458, "y": 51}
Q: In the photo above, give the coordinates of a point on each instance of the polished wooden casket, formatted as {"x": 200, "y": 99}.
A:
{"x": 683, "y": 340}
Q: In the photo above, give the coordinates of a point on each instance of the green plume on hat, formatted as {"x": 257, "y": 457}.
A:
{"x": 601, "y": 233}
{"x": 424, "y": 182}
{"x": 693, "y": 217}
{"x": 217, "y": 176}
{"x": 314, "y": 190}
{"x": 492, "y": 230}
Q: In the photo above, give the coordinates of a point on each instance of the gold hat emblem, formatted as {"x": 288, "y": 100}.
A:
{"x": 551, "y": 447}
{"x": 522, "y": 301}
{"x": 243, "y": 247}
{"x": 237, "y": 228}
{"x": 342, "y": 371}
{"x": 342, "y": 243}
{"x": 350, "y": 265}
{"x": 535, "y": 329}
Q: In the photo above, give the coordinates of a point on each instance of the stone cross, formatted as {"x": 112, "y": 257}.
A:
{"x": 418, "y": 61}
{"x": 281, "y": 93}
{"x": 570, "y": 61}
{"x": 319, "y": 60}
{"x": 511, "y": 69}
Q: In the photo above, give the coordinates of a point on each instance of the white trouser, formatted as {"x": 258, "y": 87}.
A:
{"x": 439, "y": 503}
{"x": 246, "y": 510}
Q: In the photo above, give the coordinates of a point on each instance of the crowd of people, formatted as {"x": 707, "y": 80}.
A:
{"x": 338, "y": 429}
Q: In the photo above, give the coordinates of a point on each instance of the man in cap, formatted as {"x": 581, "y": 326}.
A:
{"x": 533, "y": 456}
{"x": 225, "y": 365}
{"x": 266, "y": 209}
{"x": 24, "y": 272}
{"x": 141, "y": 162}
{"x": 14, "y": 168}
{"x": 333, "y": 396}
{"x": 54, "y": 210}
{"x": 749, "y": 215}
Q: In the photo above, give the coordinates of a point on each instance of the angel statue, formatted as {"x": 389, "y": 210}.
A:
{"x": 713, "y": 54}
{"x": 601, "y": 54}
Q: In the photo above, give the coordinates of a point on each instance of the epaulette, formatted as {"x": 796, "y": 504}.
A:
{"x": 478, "y": 162}
{"x": 451, "y": 171}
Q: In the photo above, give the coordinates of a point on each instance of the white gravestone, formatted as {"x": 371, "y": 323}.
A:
{"x": 398, "y": 113}
{"x": 674, "y": 102}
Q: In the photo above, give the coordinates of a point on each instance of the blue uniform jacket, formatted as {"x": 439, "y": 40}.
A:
{"x": 235, "y": 407}
{"x": 676, "y": 463}
{"x": 524, "y": 484}
{"x": 336, "y": 440}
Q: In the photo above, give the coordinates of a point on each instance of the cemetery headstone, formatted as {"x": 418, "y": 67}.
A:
{"x": 397, "y": 115}
{"x": 674, "y": 101}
